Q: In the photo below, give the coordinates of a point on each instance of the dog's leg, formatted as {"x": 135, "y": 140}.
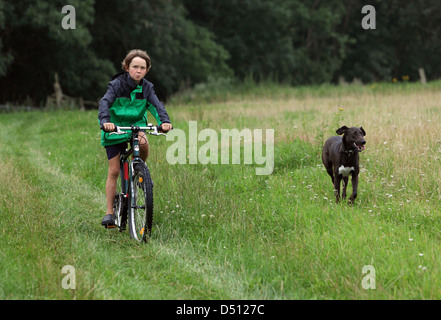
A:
{"x": 345, "y": 184}
{"x": 330, "y": 172}
{"x": 354, "y": 188}
{"x": 337, "y": 180}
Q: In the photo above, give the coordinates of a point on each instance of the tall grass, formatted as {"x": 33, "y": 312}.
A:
{"x": 220, "y": 231}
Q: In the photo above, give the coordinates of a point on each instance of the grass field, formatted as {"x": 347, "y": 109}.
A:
{"x": 221, "y": 231}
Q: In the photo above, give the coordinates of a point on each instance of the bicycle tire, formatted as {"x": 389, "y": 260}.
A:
{"x": 141, "y": 207}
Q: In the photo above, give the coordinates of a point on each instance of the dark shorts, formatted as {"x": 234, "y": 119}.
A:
{"x": 114, "y": 150}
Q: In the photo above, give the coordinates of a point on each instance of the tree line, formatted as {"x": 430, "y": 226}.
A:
{"x": 294, "y": 42}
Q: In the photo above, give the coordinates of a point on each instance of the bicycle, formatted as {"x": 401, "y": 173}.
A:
{"x": 134, "y": 191}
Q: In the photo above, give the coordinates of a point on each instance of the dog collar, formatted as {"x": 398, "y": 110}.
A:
{"x": 349, "y": 152}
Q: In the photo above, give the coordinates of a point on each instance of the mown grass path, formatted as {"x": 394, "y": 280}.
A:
{"x": 50, "y": 219}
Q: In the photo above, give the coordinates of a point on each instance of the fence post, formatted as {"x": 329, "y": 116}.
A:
{"x": 422, "y": 76}
{"x": 58, "y": 91}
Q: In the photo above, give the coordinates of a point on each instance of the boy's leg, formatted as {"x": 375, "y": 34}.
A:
{"x": 112, "y": 178}
{"x": 143, "y": 145}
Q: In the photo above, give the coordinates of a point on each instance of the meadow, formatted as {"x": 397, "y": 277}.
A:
{"x": 221, "y": 231}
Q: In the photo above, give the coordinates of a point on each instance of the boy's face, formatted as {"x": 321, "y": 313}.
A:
{"x": 137, "y": 69}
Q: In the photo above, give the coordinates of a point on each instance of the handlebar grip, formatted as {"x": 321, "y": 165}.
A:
{"x": 114, "y": 130}
{"x": 159, "y": 128}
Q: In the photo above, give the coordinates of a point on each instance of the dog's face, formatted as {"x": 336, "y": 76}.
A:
{"x": 353, "y": 137}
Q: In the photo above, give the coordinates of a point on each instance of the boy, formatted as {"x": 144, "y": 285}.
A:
{"x": 125, "y": 103}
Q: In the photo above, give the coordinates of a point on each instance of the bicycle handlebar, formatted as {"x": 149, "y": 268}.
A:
{"x": 155, "y": 130}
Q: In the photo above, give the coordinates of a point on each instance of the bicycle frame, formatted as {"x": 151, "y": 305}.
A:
{"x": 127, "y": 164}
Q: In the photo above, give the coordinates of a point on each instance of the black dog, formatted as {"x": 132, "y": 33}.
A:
{"x": 340, "y": 157}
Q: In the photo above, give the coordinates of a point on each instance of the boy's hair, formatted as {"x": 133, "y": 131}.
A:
{"x": 133, "y": 54}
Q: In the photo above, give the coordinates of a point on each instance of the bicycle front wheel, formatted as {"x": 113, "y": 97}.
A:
{"x": 141, "y": 206}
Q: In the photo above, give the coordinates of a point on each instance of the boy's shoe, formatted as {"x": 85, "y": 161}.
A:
{"x": 108, "y": 221}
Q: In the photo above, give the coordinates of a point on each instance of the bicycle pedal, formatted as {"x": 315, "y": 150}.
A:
{"x": 109, "y": 226}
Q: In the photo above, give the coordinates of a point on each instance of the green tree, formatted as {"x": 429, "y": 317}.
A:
{"x": 407, "y": 37}
{"x": 41, "y": 47}
{"x": 5, "y": 57}
{"x": 318, "y": 39}
{"x": 181, "y": 51}
{"x": 291, "y": 41}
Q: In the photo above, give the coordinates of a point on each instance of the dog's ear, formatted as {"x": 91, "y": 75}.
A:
{"x": 362, "y": 131}
{"x": 342, "y": 130}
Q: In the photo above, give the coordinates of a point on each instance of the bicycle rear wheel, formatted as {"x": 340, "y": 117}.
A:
{"x": 141, "y": 206}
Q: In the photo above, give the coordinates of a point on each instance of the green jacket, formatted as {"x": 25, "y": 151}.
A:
{"x": 126, "y": 103}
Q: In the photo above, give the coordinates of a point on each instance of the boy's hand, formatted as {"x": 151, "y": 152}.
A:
{"x": 166, "y": 127}
{"x": 109, "y": 127}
